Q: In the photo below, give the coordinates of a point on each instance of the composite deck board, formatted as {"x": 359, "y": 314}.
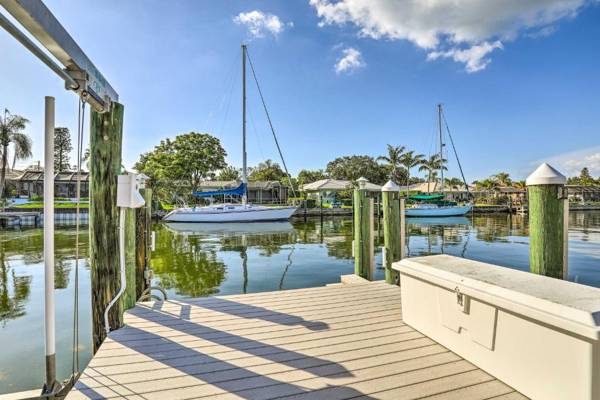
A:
{"x": 334, "y": 342}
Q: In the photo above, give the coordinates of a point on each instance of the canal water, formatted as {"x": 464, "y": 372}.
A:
{"x": 195, "y": 260}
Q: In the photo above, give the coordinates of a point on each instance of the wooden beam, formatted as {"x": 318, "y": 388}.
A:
{"x": 129, "y": 298}
{"x": 363, "y": 226}
{"x": 106, "y": 134}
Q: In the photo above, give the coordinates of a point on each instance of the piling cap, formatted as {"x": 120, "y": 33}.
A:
{"x": 545, "y": 174}
{"x": 362, "y": 182}
{"x": 390, "y": 186}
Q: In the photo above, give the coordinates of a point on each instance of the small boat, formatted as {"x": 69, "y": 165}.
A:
{"x": 243, "y": 212}
{"x": 434, "y": 210}
{"x": 433, "y": 204}
{"x": 231, "y": 213}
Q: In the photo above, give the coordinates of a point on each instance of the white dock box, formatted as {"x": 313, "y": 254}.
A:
{"x": 537, "y": 334}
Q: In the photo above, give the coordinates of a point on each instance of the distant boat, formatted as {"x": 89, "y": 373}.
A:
{"x": 243, "y": 212}
{"x": 434, "y": 205}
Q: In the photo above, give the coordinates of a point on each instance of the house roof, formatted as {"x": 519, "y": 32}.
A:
{"x": 335, "y": 185}
{"x": 63, "y": 177}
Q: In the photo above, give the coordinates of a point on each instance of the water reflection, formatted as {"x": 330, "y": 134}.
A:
{"x": 194, "y": 260}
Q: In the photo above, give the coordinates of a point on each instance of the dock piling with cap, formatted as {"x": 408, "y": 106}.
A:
{"x": 548, "y": 224}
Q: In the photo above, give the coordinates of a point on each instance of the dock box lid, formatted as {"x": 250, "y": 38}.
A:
{"x": 566, "y": 305}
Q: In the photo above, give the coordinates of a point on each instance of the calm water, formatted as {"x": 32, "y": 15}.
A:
{"x": 193, "y": 261}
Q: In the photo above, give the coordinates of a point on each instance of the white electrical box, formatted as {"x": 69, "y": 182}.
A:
{"x": 128, "y": 186}
{"x": 539, "y": 335}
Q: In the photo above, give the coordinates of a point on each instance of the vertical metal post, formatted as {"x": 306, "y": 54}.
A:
{"x": 49, "y": 315}
{"x": 244, "y": 155}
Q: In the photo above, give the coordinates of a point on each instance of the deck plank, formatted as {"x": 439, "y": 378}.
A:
{"x": 334, "y": 342}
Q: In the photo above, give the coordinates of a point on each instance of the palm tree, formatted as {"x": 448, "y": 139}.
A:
{"x": 431, "y": 165}
{"x": 410, "y": 160}
{"x": 519, "y": 185}
{"x": 393, "y": 159}
{"x": 22, "y": 148}
{"x": 11, "y": 127}
{"x": 502, "y": 178}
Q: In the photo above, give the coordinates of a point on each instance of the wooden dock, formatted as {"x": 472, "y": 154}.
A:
{"x": 334, "y": 342}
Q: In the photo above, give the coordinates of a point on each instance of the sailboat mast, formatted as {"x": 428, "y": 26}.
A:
{"x": 441, "y": 147}
{"x": 244, "y": 157}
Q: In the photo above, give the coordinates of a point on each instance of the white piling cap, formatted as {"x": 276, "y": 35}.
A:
{"x": 390, "y": 186}
{"x": 545, "y": 174}
{"x": 362, "y": 182}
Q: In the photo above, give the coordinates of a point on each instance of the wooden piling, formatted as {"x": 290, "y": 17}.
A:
{"x": 129, "y": 298}
{"x": 546, "y": 195}
{"x": 392, "y": 244}
{"x": 363, "y": 235}
{"x": 106, "y": 134}
{"x": 143, "y": 236}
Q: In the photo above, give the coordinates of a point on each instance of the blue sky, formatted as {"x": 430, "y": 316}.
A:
{"x": 519, "y": 83}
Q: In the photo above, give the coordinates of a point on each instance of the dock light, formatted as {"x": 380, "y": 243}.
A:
{"x": 362, "y": 182}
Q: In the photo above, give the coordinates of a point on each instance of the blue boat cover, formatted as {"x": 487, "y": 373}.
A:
{"x": 238, "y": 191}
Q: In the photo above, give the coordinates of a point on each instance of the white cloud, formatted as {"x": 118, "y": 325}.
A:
{"x": 474, "y": 57}
{"x": 260, "y": 23}
{"x": 464, "y": 30}
{"x": 570, "y": 164}
{"x": 350, "y": 60}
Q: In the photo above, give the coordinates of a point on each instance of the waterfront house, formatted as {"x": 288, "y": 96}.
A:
{"x": 31, "y": 183}
{"x": 259, "y": 192}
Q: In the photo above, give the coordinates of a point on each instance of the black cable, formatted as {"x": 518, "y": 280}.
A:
{"x": 271, "y": 124}
{"x": 456, "y": 154}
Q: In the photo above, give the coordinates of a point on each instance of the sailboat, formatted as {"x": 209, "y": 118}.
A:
{"x": 434, "y": 205}
{"x": 233, "y": 212}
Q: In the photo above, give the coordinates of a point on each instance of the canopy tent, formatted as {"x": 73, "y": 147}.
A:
{"x": 335, "y": 185}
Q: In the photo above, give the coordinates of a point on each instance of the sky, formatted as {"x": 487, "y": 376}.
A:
{"x": 518, "y": 80}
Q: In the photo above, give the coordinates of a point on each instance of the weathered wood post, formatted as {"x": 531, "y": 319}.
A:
{"x": 363, "y": 232}
{"x": 547, "y": 227}
{"x": 142, "y": 249}
{"x": 392, "y": 238}
{"x": 129, "y": 298}
{"x": 106, "y": 134}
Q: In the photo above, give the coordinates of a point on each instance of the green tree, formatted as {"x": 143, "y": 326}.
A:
{"x": 585, "y": 179}
{"x": 431, "y": 165}
{"x": 393, "y": 163}
{"x": 229, "y": 173}
{"x": 182, "y": 163}
{"x": 410, "y": 160}
{"x": 502, "y": 178}
{"x": 11, "y": 132}
{"x": 266, "y": 171}
{"x": 353, "y": 167}
{"x": 62, "y": 149}
{"x": 454, "y": 183}
{"x": 307, "y": 176}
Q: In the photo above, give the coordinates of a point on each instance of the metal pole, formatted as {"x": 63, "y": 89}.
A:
{"x": 441, "y": 147}
{"x": 49, "y": 317}
{"x": 244, "y": 156}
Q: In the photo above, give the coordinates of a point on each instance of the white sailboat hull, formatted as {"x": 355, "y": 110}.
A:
{"x": 230, "y": 213}
{"x": 443, "y": 211}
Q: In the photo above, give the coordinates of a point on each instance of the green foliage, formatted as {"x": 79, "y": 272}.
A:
{"x": 267, "y": 171}
{"x": 11, "y": 132}
{"x": 176, "y": 167}
{"x": 353, "y": 167}
{"x": 229, "y": 173}
{"x": 502, "y": 179}
{"x": 431, "y": 165}
{"x": 62, "y": 149}
{"x": 309, "y": 176}
{"x": 393, "y": 163}
{"x": 584, "y": 179}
